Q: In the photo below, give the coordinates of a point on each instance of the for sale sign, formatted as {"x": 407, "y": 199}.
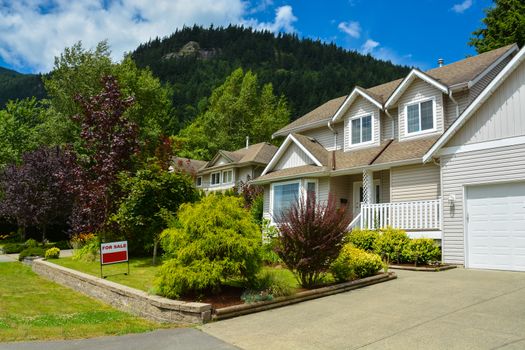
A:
{"x": 113, "y": 252}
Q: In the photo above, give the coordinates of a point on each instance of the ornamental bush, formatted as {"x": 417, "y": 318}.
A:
{"x": 390, "y": 244}
{"x": 88, "y": 251}
{"x": 311, "y": 235}
{"x": 13, "y": 248}
{"x": 354, "y": 263}
{"x": 33, "y": 251}
{"x": 362, "y": 239}
{"x": 52, "y": 253}
{"x": 422, "y": 251}
{"x": 213, "y": 240}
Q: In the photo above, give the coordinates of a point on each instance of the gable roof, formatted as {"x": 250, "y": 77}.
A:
{"x": 259, "y": 153}
{"x": 187, "y": 165}
{"x": 450, "y": 75}
{"x": 358, "y": 91}
{"x": 476, "y": 104}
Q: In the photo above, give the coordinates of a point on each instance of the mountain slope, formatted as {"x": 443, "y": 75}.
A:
{"x": 195, "y": 60}
{"x": 14, "y": 85}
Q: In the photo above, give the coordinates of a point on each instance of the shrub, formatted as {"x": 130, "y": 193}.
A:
{"x": 311, "y": 235}
{"x": 270, "y": 241}
{"x": 362, "y": 239}
{"x": 52, "y": 253}
{"x": 353, "y": 263}
{"x": 214, "y": 240}
{"x": 81, "y": 239}
{"x": 422, "y": 251}
{"x": 33, "y": 251}
{"x": 31, "y": 243}
{"x": 13, "y": 248}
{"x": 390, "y": 244}
{"x": 88, "y": 251}
{"x": 268, "y": 285}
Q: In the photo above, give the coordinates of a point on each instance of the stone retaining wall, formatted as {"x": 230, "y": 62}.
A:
{"x": 128, "y": 299}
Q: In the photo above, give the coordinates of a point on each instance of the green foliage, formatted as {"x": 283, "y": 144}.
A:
{"x": 151, "y": 197}
{"x": 353, "y": 263}
{"x": 88, "y": 252}
{"x": 390, "y": 244}
{"x": 214, "y": 240}
{"x": 13, "y": 248}
{"x": 267, "y": 286}
{"x": 52, "y": 253}
{"x": 16, "y": 85}
{"x": 32, "y": 251}
{"x": 31, "y": 243}
{"x": 362, "y": 239}
{"x": 236, "y": 109}
{"x": 257, "y": 209}
{"x": 504, "y": 24}
{"x": 422, "y": 251}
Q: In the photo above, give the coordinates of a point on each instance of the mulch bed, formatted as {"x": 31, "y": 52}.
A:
{"x": 428, "y": 268}
{"x": 228, "y": 296}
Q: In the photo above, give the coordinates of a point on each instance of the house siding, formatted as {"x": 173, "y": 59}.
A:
{"x": 463, "y": 100}
{"x": 480, "y": 85}
{"x": 420, "y": 90}
{"x": 293, "y": 157}
{"x": 362, "y": 107}
{"x": 415, "y": 182}
{"x": 385, "y": 185}
{"x": 243, "y": 173}
{"x": 326, "y": 137}
{"x": 502, "y": 164}
{"x": 266, "y": 202}
{"x": 502, "y": 115}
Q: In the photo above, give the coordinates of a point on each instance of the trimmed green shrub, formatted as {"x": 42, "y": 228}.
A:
{"x": 214, "y": 240}
{"x": 52, "y": 253}
{"x": 390, "y": 244}
{"x": 13, "y": 248}
{"x": 31, "y": 243}
{"x": 362, "y": 239}
{"x": 89, "y": 251}
{"x": 33, "y": 251}
{"x": 422, "y": 251}
{"x": 354, "y": 263}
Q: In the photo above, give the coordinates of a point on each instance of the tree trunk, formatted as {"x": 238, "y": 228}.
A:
{"x": 155, "y": 246}
{"x": 44, "y": 232}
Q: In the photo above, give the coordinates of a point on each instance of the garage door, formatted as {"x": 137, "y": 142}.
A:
{"x": 496, "y": 226}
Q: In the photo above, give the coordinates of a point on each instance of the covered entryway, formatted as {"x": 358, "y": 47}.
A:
{"x": 495, "y": 222}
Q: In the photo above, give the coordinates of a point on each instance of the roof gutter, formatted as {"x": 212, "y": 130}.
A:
{"x": 289, "y": 177}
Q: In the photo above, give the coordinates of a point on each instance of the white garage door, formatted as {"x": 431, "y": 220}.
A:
{"x": 496, "y": 226}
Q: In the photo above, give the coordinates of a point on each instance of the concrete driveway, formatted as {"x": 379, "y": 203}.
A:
{"x": 455, "y": 309}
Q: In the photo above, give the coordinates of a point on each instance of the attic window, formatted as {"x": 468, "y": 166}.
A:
{"x": 420, "y": 116}
{"x": 361, "y": 129}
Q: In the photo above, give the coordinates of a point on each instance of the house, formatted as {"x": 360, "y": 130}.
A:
{"x": 439, "y": 153}
{"x": 228, "y": 169}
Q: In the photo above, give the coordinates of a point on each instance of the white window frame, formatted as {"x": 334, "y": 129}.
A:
{"x": 301, "y": 193}
{"x": 223, "y": 177}
{"x": 211, "y": 179}
{"x": 197, "y": 181}
{"x": 434, "y": 118}
{"x": 372, "y": 115}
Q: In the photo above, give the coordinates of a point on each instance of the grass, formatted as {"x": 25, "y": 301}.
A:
{"x": 141, "y": 275}
{"x": 33, "y": 308}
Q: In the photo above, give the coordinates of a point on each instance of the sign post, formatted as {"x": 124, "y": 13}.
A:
{"x": 113, "y": 253}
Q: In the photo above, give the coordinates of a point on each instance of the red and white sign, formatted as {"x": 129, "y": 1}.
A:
{"x": 113, "y": 252}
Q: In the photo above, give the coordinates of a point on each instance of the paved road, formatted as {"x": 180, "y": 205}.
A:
{"x": 165, "y": 339}
{"x": 6, "y": 258}
{"x": 456, "y": 309}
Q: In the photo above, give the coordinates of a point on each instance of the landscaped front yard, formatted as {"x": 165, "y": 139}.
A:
{"x": 32, "y": 308}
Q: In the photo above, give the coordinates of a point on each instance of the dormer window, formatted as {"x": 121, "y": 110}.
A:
{"x": 361, "y": 129}
{"x": 420, "y": 116}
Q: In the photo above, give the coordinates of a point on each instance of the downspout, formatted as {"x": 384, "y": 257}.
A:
{"x": 456, "y": 102}
{"x": 334, "y": 132}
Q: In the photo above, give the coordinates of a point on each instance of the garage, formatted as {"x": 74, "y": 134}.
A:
{"x": 495, "y": 222}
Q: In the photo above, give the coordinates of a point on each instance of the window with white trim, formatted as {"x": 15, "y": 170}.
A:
{"x": 420, "y": 116}
{"x": 227, "y": 176}
{"x": 284, "y": 196}
{"x": 199, "y": 181}
{"x": 361, "y": 129}
{"x": 215, "y": 178}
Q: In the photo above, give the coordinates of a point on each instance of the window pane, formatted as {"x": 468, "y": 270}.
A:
{"x": 413, "y": 118}
{"x": 427, "y": 118}
{"x": 366, "y": 125}
{"x": 199, "y": 181}
{"x": 356, "y": 131}
{"x": 283, "y": 197}
{"x": 310, "y": 188}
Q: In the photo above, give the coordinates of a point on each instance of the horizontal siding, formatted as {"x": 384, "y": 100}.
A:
{"x": 323, "y": 189}
{"x": 385, "y": 186}
{"x": 325, "y": 136}
{"x": 266, "y": 202}
{"x": 340, "y": 188}
{"x": 293, "y": 157}
{"x": 244, "y": 174}
{"x": 386, "y": 127}
{"x": 463, "y": 100}
{"x": 415, "y": 182}
{"x": 501, "y": 116}
{"x": 360, "y": 107}
{"x": 495, "y": 165}
{"x": 417, "y": 91}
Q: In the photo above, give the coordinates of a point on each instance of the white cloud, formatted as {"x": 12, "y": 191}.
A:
{"x": 351, "y": 28}
{"x": 368, "y": 46}
{"x": 462, "y": 7}
{"x": 261, "y": 6}
{"x": 35, "y": 31}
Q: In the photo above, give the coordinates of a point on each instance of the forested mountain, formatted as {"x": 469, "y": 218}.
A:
{"x": 195, "y": 60}
{"x": 15, "y": 85}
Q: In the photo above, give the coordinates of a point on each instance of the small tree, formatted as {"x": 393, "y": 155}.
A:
{"x": 311, "y": 235}
{"x": 214, "y": 240}
{"x": 151, "y": 196}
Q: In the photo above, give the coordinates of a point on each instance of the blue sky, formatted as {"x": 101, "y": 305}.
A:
{"x": 414, "y": 33}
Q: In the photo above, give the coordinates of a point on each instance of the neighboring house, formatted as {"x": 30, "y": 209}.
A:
{"x": 187, "y": 165}
{"x": 228, "y": 169}
{"x": 439, "y": 153}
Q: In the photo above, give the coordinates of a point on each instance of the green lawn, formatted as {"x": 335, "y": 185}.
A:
{"x": 141, "y": 275}
{"x": 32, "y": 308}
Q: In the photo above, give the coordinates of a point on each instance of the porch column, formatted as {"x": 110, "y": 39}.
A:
{"x": 368, "y": 186}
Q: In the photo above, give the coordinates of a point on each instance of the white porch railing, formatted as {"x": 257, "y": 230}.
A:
{"x": 418, "y": 215}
